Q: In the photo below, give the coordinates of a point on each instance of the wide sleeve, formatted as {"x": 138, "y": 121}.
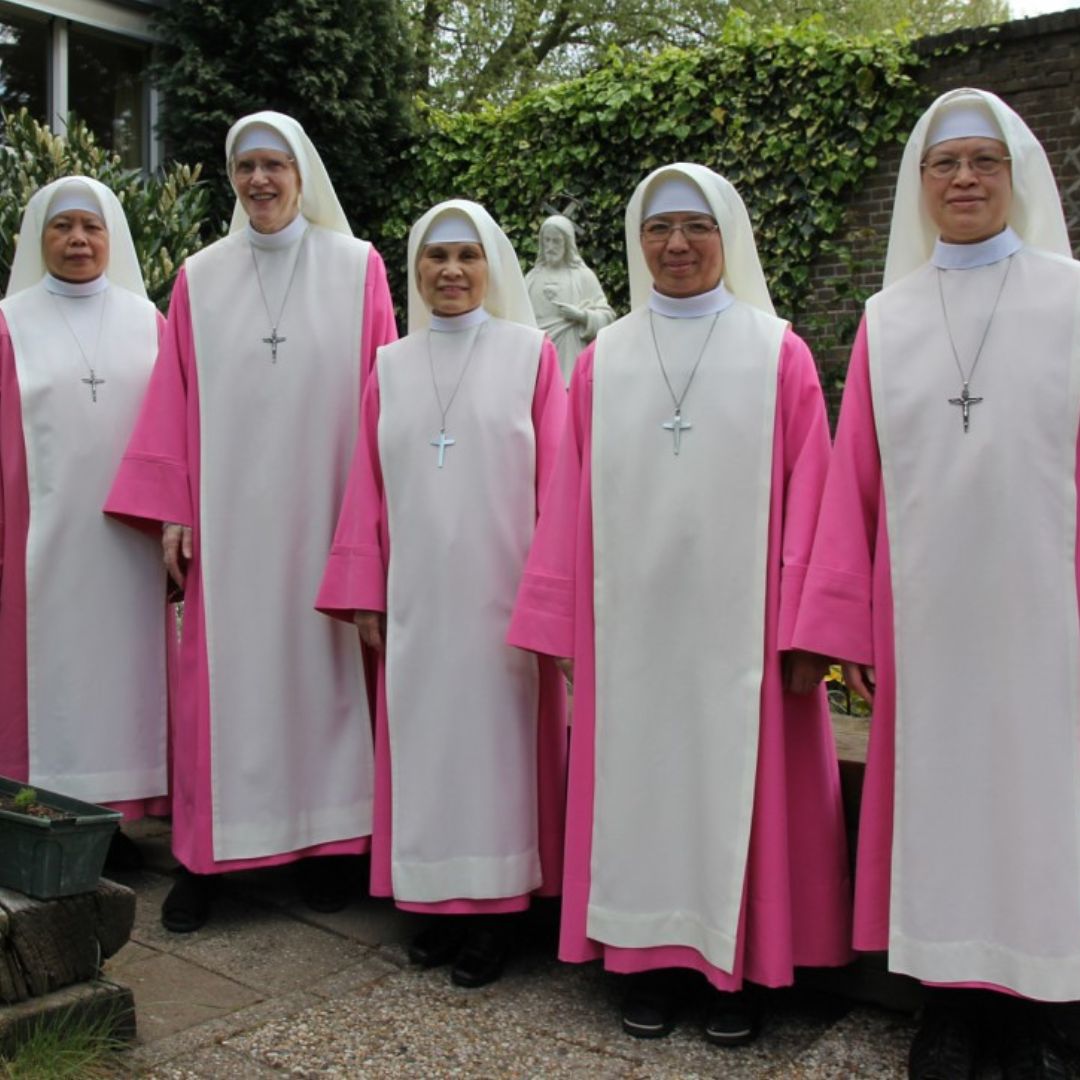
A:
{"x": 806, "y": 445}
{"x": 543, "y": 618}
{"x": 7, "y": 364}
{"x": 549, "y": 418}
{"x": 154, "y": 481}
{"x": 835, "y": 614}
{"x": 379, "y": 327}
{"x": 355, "y": 575}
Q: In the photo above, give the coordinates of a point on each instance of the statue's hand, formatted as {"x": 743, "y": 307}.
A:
{"x": 571, "y": 311}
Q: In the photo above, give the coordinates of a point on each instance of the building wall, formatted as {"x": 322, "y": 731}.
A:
{"x": 1034, "y": 64}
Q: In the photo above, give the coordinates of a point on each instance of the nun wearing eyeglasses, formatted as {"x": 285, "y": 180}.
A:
{"x": 461, "y": 424}
{"x": 240, "y": 453}
{"x": 945, "y": 574}
{"x": 82, "y": 600}
{"x": 704, "y": 826}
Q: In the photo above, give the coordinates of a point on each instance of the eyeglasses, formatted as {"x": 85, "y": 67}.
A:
{"x": 982, "y": 165}
{"x": 272, "y": 167}
{"x": 659, "y": 232}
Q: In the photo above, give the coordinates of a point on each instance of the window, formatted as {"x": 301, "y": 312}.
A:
{"x": 107, "y": 89}
{"x": 82, "y": 57}
{"x": 24, "y": 64}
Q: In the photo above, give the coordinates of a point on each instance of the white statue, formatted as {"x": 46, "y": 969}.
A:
{"x": 569, "y": 304}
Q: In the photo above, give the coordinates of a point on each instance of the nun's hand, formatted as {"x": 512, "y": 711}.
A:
{"x": 372, "y": 627}
{"x": 861, "y": 679}
{"x": 177, "y": 546}
{"x": 802, "y": 671}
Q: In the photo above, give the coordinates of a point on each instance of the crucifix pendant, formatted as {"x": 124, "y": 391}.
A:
{"x": 965, "y": 401}
{"x": 93, "y": 382}
{"x": 677, "y": 425}
{"x": 440, "y": 444}
{"x": 274, "y": 341}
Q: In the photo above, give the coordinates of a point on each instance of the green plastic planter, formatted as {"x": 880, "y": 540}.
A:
{"x": 47, "y": 859}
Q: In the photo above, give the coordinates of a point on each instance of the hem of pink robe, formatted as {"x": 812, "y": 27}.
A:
{"x": 134, "y": 809}
{"x": 358, "y": 846}
{"x": 504, "y": 905}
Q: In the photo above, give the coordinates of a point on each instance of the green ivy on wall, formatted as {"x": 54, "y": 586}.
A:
{"x": 794, "y": 117}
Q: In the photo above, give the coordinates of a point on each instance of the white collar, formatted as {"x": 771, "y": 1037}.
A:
{"x": 283, "y": 238}
{"x": 75, "y": 288}
{"x": 450, "y": 324}
{"x": 968, "y": 256}
{"x": 691, "y": 307}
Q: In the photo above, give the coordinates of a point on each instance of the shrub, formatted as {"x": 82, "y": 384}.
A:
{"x": 164, "y": 212}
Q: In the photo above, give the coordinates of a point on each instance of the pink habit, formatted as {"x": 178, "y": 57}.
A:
{"x": 356, "y": 579}
{"x": 159, "y": 481}
{"x": 847, "y": 611}
{"x": 14, "y": 527}
{"x": 795, "y": 898}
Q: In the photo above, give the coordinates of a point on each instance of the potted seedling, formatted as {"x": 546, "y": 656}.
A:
{"x": 51, "y": 845}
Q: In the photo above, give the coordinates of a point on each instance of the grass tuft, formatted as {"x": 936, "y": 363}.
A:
{"x": 68, "y": 1047}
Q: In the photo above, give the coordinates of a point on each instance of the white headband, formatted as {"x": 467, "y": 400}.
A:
{"x": 453, "y": 227}
{"x": 260, "y": 137}
{"x": 969, "y": 120}
{"x": 74, "y": 195}
{"x": 675, "y": 194}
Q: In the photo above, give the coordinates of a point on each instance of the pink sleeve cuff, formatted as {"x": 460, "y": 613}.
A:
{"x": 835, "y": 617}
{"x": 151, "y": 488}
{"x": 543, "y": 619}
{"x": 354, "y": 580}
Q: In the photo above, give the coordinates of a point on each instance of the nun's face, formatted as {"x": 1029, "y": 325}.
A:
{"x": 684, "y": 252}
{"x": 452, "y": 277}
{"x": 267, "y": 183}
{"x": 75, "y": 246}
{"x": 967, "y": 188}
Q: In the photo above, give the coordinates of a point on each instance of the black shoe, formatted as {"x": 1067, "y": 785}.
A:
{"x": 651, "y": 1005}
{"x": 944, "y": 1047}
{"x": 187, "y": 907}
{"x": 439, "y": 942}
{"x": 483, "y": 954}
{"x": 123, "y": 854}
{"x": 324, "y": 884}
{"x": 731, "y": 1019}
{"x": 1028, "y": 1052}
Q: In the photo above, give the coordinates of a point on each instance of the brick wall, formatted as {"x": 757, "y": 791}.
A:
{"x": 1034, "y": 64}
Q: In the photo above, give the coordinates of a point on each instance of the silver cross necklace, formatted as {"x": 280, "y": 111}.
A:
{"x": 93, "y": 382}
{"x": 273, "y": 340}
{"x": 677, "y": 424}
{"x": 965, "y": 401}
{"x": 442, "y": 441}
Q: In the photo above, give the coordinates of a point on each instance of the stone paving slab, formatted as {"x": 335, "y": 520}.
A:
{"x": 271, "y": 989}
{"x": 172, "y": 995}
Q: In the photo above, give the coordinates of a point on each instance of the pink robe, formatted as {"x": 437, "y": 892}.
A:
{"x": 847, "y": 612}
{"x": 356, "y": 581}
{"x": 158, "y": 482}
{"x": 14, "y": 529}
{"x": 796, "y": 908}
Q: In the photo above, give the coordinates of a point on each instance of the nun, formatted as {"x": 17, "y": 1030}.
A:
{"x": 240, "y": 453}
{"x": 82, "y": 599}
{"x": 705, "y": 844}
{"x": 461, "y": 423}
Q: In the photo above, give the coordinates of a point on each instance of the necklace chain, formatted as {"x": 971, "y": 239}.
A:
{"x": 274, "y": 340}
{"x": 93, "y": 382}
{"x": 445, "y": 409}
{"x": 677, "y": 401}
{"x": 966, "y": 379}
